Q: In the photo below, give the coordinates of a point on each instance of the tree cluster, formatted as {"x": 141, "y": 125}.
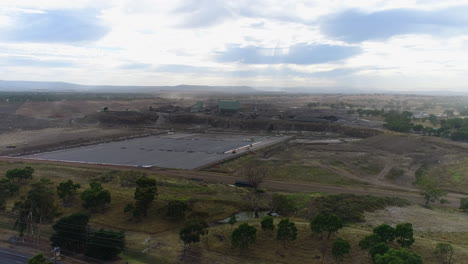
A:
{"x": 384, "y": 235}
{"x": 73, "y": 233}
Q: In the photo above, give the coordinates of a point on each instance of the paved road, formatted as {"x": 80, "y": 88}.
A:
{"x": 8, "y": 256}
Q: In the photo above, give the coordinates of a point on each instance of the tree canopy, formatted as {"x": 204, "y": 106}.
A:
{"x": 145, "y": 193}
{"x": 71, "y": 233}
{"x": 193, "y": 231}
{"x": 7, "y": 190}
{"x": 67, "y": 191}
{"x": 105, "y": 244}
{"x": 340, "y": 248}
{"x": 243, "y": 236}
{"x": 20, "y": 176}
{"x": 385, "y": 232}
{"x": 96, "y": 197}
{"x": 404, "y": 234}
{"x": 397, "y": 256}
{"x": 38, "y": 205}
{"x": 267, "y": 223}
{"x": 326, "y": 222}
{"x": 175, "y": 210}
{"x": 287, "y": 231}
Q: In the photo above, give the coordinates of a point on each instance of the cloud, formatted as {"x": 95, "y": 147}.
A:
{"x": 288, "y": 72}
{"x": 250, "y": 73}
{"x": 179, "y": 68}
{"x": 202, "y": 13}
{"x": 18, "y": 61}
{"x": 59, "y": 26}
{"x": 302, "y": 54}
{"x": 135, "y": 66}
{"x": 357, "y": 26}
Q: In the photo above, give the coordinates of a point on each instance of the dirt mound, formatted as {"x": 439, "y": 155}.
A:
{"x": 121, "y": 118}
{"x": 9, "y": 122}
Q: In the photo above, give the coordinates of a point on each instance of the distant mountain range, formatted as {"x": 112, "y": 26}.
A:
{"x": 32, "y": 86}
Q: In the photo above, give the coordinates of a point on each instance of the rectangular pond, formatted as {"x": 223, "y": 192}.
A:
{"x": 180, "y": 150}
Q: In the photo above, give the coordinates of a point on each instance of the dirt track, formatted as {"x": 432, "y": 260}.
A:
{"x": 210, "y": 177}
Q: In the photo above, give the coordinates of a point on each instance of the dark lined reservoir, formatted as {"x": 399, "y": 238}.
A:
{"x": 181, "y": 151}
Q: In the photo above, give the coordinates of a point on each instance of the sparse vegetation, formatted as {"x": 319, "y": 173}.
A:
{"x": 444, "y": 253}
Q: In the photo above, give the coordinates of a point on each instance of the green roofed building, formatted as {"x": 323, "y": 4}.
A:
{"x": 228, "y": 106}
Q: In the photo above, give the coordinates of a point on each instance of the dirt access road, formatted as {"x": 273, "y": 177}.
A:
{"x": 210, "y": 177}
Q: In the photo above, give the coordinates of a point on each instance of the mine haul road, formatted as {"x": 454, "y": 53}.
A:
{"x": 412, "y": 195}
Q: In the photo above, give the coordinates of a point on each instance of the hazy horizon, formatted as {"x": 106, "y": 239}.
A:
{"x": 370, "y": 45}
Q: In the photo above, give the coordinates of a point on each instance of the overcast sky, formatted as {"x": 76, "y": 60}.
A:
{"x": 381, "y": 44}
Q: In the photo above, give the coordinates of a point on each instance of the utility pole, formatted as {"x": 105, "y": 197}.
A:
{"x": 56, "y": 252}
{"x": 147, "y": 242}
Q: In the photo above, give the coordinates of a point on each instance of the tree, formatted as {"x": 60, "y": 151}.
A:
{"x": 325, "y": 222}
{"x": 287, "y": 231}
{"x": 282, "y": 205}
{"x": 340, "y": 248}
{"x": 95, "y": 198}
{"x": 232, "y": 220}
{"x": 369, "y": 241}
{"x": 267, "y": 223}
{"x": 193, "y": 231}
{"x": 38, "y": 259}
{"x": 395, "y": 256}
{"x": 145, "y": 193}
{"x": 418, "y": 128}
{"x": 38, "y": 206}
{"x": 7, "y": 190}
{"x": 464, "y": 204}
{"x": 400, "y": 122}
{"x": 67, "y": 191}
{"x": 105, "y": 244}
{"x": 378, "y": 249}
{"x": 433, "y": 119}
{"x": 444, "y": 253}
{"x": 71, "y": 233}
{"x": 176, "y": 210}
{"x": 20, "y": 176}
{"x": 404, "y": 234}
{"x": 385, "y": 232}
{"x": 243, "y": 236}
{"x": 254, "y": 174}
{"x": 431, "y": 193}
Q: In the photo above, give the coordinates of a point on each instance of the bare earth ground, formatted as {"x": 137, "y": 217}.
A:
{"x": 388, "y": 160}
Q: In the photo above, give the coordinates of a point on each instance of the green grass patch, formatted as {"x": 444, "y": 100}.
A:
{"x": 309, "y": 174}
